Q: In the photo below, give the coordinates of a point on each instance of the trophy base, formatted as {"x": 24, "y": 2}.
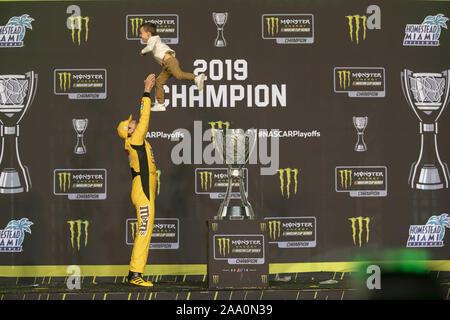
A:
{"x": 10, "y": 181}
{"x": 220, "y": 43}
{"x": 235, "y": 213}
{"x": 429, "y": 177}
{"x": 360, "y": 149}
{"x": 80, "y": 151}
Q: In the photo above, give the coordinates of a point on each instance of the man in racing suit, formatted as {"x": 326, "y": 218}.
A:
{"x": 143, "y": 171}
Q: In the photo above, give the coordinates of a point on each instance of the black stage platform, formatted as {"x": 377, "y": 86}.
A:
{"x": 301, "y": 286}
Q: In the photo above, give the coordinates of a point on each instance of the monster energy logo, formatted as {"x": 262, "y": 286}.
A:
{"x": 272, "y": 25}
{"x": 64, "y": 179}
{"x": 64, "y": 80}
{"x": 288, "y": 180}
{"x": 274, "y": 226}
{"x": 344, "y": 78}
{"x": 135, "y": 24}
{"x": 133, "y": 229}
{"x": 264, "y": 278}
{"x": 263, "y": 226}
{"x": 360, "y": 227}
{"x": 79, "y": 19}
{"x": 357, "y": 18}
{"x": 220, "y": 125}
{"x": 224, "y": 246}
{"x": 78, "y": 232}
{"x": 346, "y": 178}
{"x": 205, "y": 177}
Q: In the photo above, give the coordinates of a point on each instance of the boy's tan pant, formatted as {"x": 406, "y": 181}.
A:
{"x": 171, "y": 67}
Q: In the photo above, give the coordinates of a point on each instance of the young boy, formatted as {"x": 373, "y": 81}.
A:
{"x": 165, "y": 56}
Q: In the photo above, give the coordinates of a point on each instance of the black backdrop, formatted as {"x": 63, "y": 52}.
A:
{"x": 47, "y": 137}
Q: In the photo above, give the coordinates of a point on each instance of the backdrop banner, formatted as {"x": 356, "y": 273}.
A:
{"x": 349, "y": 99}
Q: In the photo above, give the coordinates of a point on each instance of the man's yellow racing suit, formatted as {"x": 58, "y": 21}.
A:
{"x": 143, "y": 171}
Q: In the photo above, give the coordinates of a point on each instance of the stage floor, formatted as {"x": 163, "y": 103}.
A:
{"x": 314, "y": 286}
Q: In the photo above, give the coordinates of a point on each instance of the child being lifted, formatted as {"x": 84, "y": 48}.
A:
{"x": 165, "y": 56}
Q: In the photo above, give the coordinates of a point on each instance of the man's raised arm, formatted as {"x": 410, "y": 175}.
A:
{"x": 142, "y": 126}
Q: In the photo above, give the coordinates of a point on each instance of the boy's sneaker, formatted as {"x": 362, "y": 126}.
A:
{"x": 199, "y": 81}
{"x": 158, "y": 107}
{"x": 136, "y": 279}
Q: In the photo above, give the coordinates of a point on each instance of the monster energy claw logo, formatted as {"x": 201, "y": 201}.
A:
{"x": 76, "y": 23}
{"x": 224, "y": 246}
{"x": 64, "y": 80}
{"x": 272, "y": 25}
{"x": 288, "y": 180}
{"x": 346, "y": 178}
{"x": 360, "y": 228}
{"x": 64, "y": 180}
{"x": 220, "y": 125}
{"x": 78, "y": 232}
{"x": 205, "y": 177}
{"x": 135, "y": 24}
{"x": 274, "y": 229}
{"x": 344, "y": 79}
{"x": 357, "y": 22}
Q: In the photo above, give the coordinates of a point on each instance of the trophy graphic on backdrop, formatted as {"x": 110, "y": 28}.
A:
{"x": 360, "y": 124}
{"x": 220, "y": 19}
{"x": 427, "y": 94}
{"x": 16, "y": 95}
{"x": 235, "y": 147}
{"x": 80, "y": 126}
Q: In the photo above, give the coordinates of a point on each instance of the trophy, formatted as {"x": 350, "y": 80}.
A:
{"x": 360, "y": 124}
{"x": 220, "y": 19}
{"x": 235, "y": 147}
{"x": 80, "y": 126}
{"x": 16, "y": 95}
{"x": 427, "y": 94}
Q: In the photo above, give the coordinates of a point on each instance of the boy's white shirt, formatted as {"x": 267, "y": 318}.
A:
{"x": 157, "y": 47}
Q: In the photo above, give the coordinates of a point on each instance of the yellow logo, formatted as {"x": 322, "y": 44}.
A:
{"x": 274, "y": 229}
{"x": 158, "y": 180}
{"x": 215, "y": 226}
{"x": 346, "y": 178}
{"x": 135, "y": 24}
{"x": 288, "y": 180}
{"x": 133, "y": 229}
{"x": 64, "y": 180}
{"x": 272, "y": 25}
{"x": 78, "y": 232}
{"x": 344, "y": 79}
{"x": 359, "y": 20}
{"x": 360, "y": 227}
{"x": 79, "y": 19}
{"x": 220, "y": 125}
{"x": 264, "y": 278}
{"x": 224, "y": 246}
{"x": 215, "y": 278}
{"x": 263, "y": 226}
{"x": 64, "y": 80}
{"x": 205, "y": 177}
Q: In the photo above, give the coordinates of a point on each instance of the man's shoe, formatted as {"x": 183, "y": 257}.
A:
{"x": 136, "y": 279}
{"x": 199, "y": 81}
{"x": 158, "y": 107}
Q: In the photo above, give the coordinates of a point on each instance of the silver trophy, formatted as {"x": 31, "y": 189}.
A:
{"x": 360, "y": 124}
{"x": 235, "y": 147}
{"x": 16, "y": 95}
{"x": 220, "y": 19}
{"x": 427, "y": 94}
{"x": 80, "y": 126}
